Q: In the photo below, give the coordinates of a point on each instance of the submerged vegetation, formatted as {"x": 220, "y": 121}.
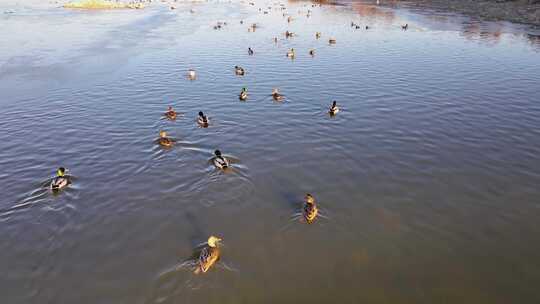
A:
{"x": 102, "y": 4}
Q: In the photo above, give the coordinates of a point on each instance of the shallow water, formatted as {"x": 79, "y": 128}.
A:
{"x": 427, "y": 179}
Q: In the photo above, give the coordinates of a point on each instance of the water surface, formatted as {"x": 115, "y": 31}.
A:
{"x": 428, "y": 177}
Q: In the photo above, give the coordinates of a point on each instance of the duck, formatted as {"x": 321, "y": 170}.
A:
{"x": 317, "y": 35}
{"x": 332, "y": 40}
{"x": 405, "y": 27}
{"x": 243, "y": 94}
{"x": 250, "y": 51}
{"x": 276, "y": 95}
{"x": 367, "y": 27}
{"x": 275, "y": 40}
{"x": 192, "y": 74}
{"x": 170, "y": 114}
{"x": 239, "y": 70}
{"x": 334, "y": 108}
{"x": 219, "y": 161}
{"x": 209, "y": 255}
{"x": 60, "y": 180}
{"x": 290, "y": 53}
{"x": 312, "y": 52}
{"x": 164, "y": 140}
{"x": 309, "y": 210}
{"x": 289, "y": 19}
{"x": 202, "y": 120}
{"x": 288, "y": 34}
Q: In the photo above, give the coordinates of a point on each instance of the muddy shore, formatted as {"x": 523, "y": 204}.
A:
{"x": 519, "y": 11}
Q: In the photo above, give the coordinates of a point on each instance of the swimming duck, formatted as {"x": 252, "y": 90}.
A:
{"x": 332, "y": 40}
{"x": 202, "y": 120}
{"x": 288, "y": 34}
{"x": 312, "y": 52}
{"x": 276, "y": 95}
{"x": 170, "y": 114}
{"x": 309, "y": 210}
{"x": 367, "y": 27}
{"x": 243, "y": 94}
{"x": 405, "y": 27}
{"x": 164, "y": 140}
{"x": 317, "y": 35}
{"x": 191, "y": 74}
{"x": 250, "y": 51}
{"x": 60, "y": 181}
{"x": 209, "y": 255}
{"x": 239, "y": 70}
{"x": 290, "y": 53}
{"x": 220, "y": 161}
{"x": 333, "y": 109}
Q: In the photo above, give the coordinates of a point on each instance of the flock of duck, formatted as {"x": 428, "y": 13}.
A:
{"x": 211, "y": 253}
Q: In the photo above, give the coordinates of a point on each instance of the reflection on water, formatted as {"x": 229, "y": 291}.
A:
{"x": 427, "y": 179}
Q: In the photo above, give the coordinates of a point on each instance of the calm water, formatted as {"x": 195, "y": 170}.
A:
{"x": 428, "y": 178}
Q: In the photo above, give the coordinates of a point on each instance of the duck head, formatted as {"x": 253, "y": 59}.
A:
{"x": 309, "y": 199}
{"x": 61, "y": 172}
{"x": 213, "y": 241}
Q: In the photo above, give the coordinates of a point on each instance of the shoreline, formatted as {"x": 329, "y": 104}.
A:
{"x": 518, "y": 11}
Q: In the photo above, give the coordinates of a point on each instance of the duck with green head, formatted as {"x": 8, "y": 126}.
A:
{"x": 334, "y": 109}
{"x": 243, "y": 94}
{"x": 61, "y": 180}
{"x": 220, "y": 161}
{"x": 202, "y": 120}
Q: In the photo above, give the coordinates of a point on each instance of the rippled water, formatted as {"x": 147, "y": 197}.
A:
{"x": 428, "y": 179}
